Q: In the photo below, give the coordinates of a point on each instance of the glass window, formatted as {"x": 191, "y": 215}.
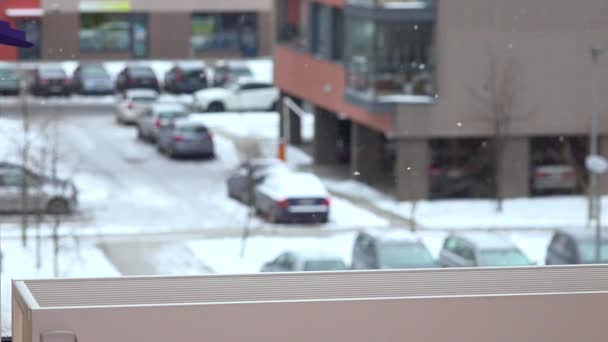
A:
{"x": 103, "y": 32}
{"x": 172, "y": 115}
{"x": 360, "y": 51}
{"x": 502, "y": 258}
{"x": 337, "y": 31}
{"x": 320, "y": 29}
{"x": 324, "y": 265}
{"x": 401, "y": 255}
{"x": 390, "y": 58}
{"x": 587, "y": 251}
{"x": 225, "y": 31}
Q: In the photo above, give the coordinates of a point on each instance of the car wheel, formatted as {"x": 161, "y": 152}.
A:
{"x": 58, "y": 206}
{"x": 140, "y": 134}
{"x": 216, "y": 107}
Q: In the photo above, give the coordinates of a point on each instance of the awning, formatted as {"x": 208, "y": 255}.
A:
{"x": 24, "y": 12}
{"x": 96, "y": 6}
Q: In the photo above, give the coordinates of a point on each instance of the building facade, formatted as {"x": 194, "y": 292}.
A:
{"x": 445, "y": 98}
{"x": 137, "y": 29}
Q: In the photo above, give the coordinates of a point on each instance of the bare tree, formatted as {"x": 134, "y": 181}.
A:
{"x": 25, "y": 157}
{"x": 500, "y": 101}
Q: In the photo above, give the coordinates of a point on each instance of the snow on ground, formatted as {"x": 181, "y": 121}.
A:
{"x": 259, "y": 128}
{"x": 75, "y": 260}
{"x": 519, "y": 213}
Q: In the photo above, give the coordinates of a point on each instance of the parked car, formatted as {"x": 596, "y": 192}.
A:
{"x": 258, "y": 168}
{"x": 137, "y": 77}
{"x": 285, "y": 196}
{"x": 229, "y": 73}
{"x": 50, "y": 80}
{"x": 238, "y": 96}
{"x": 185, "y": 137}
{"x": 132, "y": 103}
{"x": 480, "y": 249}
{"x": 553, "y": 177}
{"x": 92, "y": 79}
{"x": 185, "y": 79}
{"x": 44, "y": 194}
{"x": 390, "y": 250}
{"x": 9, "y": 81}
{"x": 156, "y": 115}
{"x": 570, "y": 246}
{"x": 302, "y": 261}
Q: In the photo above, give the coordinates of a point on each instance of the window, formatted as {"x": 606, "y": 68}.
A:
{"x": 337, "y": 34}
{"x": 105, "y": 32}
{"x": 387, "y": 58}
{"x": 587, "y": 251}
{"x": 502, "y": 258}
{"x": 324, "y": 265}
{"x": 399, "y": 254}
{"x": 225, "y": 31}
{"x": 460, "y": 248}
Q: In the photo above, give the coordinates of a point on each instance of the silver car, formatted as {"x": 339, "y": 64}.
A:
{"x": 44, "y": 194}
{"x": 481, "y": 249}
{"x": 185, "y": 137}
{"x": 305, "y": 260}
{"x": 132, "y": 104}
{"x": 156, "y": 116}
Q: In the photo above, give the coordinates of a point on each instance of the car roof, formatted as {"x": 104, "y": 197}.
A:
{"x": 486, "y": 240}
{"x": 314, "y": 254}
{"x": 582, "y": 233}
{"x": 167, "y": 106}
{"x": 141, "y": 92}
{"x": 394, "y": 235}
{"x": 188, "y": 122}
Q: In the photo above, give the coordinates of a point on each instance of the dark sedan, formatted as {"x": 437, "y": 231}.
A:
{"x": 137, "y": 77}
{"x": 50, "y": 81}
{"x": 92, "y": 79}
{"x": 9, "y": 82}
{"x": 185, "y": 79}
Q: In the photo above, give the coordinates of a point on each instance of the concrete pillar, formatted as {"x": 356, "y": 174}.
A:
{"x": 295, "y": 123}
{"x": 513, "y": 177}
{"x": 412, "y": 169}
{"x": 366, "y": 148}
{"x": 326, "y": 136}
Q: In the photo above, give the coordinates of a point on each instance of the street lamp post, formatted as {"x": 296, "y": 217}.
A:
{"x": 595, "y": 163}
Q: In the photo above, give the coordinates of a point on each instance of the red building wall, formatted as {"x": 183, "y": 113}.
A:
{"x": 321, "y": 83}
{"x": 8, "y": 53}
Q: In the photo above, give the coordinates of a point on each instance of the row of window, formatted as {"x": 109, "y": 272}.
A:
{"x": 383, "y": 56}
{"x": 118, "y": 32}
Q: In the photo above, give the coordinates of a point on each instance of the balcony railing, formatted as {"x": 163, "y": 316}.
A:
{"x": 393, "y": 4}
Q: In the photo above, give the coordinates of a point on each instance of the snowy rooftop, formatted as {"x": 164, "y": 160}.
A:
{"x": 486, "y": 240}
{"x": 134, "y": 291}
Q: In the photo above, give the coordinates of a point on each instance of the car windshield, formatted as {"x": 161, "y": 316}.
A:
{"x": 94, "y": 72}
{"x": 193, "y": 129}
{"x": 587, "y": 251}
{"x": 52, "y": 73}
{"x": 403, "y": 254}
{"x": 240, "y": 71}
{"x": 324, "y": 265}
{"x": 143, "y": 99}
{"x": 141, "y": 72}
{"x": 502, "y": 258}
{"x": 8, "y": 74}
{"x": 172, "y": 114}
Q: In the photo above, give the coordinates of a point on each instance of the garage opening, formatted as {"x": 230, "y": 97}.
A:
{"x": 558, "y": 165}
{"x": 461, "y": 168}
